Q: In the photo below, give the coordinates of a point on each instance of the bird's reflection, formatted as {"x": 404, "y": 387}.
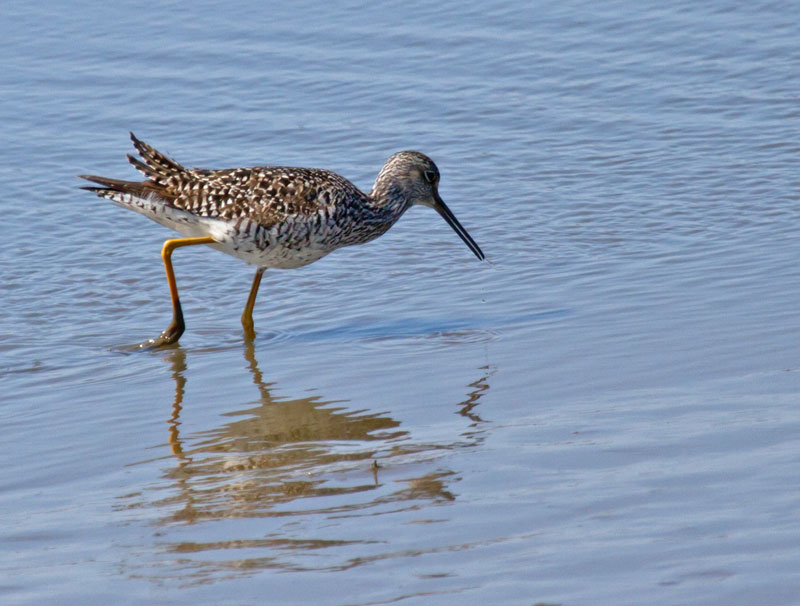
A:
{"x": 479, "y": 387}
{"x": 275, "y": 452}
{"x": 301, "y": 457}
{"x": 178, "y": 361}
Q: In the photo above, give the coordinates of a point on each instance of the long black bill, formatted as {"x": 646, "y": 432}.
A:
{"x": 448, "y": 216}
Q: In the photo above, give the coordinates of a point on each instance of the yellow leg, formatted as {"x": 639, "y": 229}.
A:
{"x": 247, "y": 314}
{"x": 176, "y": 327}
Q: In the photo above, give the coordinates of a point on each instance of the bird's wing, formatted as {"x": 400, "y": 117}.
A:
{"x": 265, "y": 194}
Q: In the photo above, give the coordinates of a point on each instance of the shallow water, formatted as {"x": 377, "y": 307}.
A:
{"x": 604, "y": 412}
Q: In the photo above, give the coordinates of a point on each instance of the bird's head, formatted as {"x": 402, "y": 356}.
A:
{"x": 410, "y": 178}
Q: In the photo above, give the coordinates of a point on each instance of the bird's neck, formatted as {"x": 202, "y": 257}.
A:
{"x": 388, "y": 199}
{"x": 388, "y": 206}
{"x": 381, "y": 213}
{"x": 380, "y": 209}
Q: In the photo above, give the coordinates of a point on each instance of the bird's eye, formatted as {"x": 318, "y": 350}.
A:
{"x": 430, "y": 176}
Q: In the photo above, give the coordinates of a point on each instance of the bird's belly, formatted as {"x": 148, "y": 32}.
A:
{"x": 277, "y": 248}
{"x": 275, "y": 256}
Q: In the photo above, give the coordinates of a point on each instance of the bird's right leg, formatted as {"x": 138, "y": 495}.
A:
{"x": 177, "y": 326}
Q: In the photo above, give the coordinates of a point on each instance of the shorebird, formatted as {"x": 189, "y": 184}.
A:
{"x": 270, "y": 216}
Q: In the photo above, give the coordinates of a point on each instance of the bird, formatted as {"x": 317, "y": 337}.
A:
{"x": 269, "y": 216}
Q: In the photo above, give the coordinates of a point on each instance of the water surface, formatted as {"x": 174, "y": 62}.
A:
{"x": 604, "y": 412}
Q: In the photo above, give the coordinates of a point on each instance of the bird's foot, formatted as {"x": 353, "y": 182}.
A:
{"x": 169, "y": 337}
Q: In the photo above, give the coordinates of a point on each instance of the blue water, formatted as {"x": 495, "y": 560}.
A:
{"x": 604, "y": 412}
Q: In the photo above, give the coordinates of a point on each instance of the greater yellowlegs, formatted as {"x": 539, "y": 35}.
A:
{"x": 270, "y": 216}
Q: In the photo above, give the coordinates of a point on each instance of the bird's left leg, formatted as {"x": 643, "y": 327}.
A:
{"x": 247, "y": 314}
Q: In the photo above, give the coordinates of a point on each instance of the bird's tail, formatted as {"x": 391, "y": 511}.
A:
{"x": 117, "y": 190}
{"x": 156, "y": 166}
{"x": 154, "y": 197}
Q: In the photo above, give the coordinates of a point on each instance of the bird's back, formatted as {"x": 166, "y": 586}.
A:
{"x": 267, "y": 195}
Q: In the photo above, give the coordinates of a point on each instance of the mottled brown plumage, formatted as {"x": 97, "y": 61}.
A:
{"x": 265, "y": 194}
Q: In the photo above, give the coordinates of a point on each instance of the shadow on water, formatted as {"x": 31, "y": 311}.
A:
{"x": 425, "y": 332}
{"x": 287, "y": 471}
{"x": 446, "y": 329}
